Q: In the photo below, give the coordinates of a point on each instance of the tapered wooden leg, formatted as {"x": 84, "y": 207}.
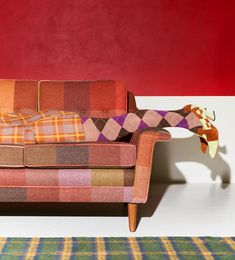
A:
{"x": 132, "y": 216}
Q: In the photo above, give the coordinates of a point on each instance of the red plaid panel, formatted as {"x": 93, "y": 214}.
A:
{"x": 18, "y": 96}
{"x": 101, "y": 98}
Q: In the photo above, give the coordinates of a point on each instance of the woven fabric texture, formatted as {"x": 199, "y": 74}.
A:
{"x": 125, "y": 248}
{"x": 27, "y": 177}
{"x": 11, "y": 156}
{"x": 18, "y": 96}
{"x": 41, "y": 127}
{"x": 101, "y": 98}
{"x": 66, "y": 194}
{"x": 106, "y": 154}
{"x": 145, "y": 141}
{"x": 120, "y": 181}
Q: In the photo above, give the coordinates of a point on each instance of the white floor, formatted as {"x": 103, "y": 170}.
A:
{"x": 177, "y": 210}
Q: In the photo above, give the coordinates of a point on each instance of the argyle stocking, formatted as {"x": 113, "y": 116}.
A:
{"x": 193, "y": 118}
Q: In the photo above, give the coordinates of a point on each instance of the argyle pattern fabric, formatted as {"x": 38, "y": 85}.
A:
{"x": 100, "y": 129}
{"x": 125, "y": 248}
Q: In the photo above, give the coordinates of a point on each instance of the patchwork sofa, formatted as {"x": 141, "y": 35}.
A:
{"x": 76, "y": 172}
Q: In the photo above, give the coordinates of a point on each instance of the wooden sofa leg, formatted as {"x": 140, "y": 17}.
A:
{"x": 132, "y": 216}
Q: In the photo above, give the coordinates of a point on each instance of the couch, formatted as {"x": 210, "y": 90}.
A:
{"x": 115, "y": 172}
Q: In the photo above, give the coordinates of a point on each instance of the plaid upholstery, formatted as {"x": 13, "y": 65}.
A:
{"x": 145, "y": 140}
{"x": 124, "y": 248}
{"x": 18, "y": 96}
{"x": 41, "y": 127}
{"x": 93, "y": 99}
{"x": 26, "y": 177}
{"x": 11, "y": 156}
{"x": 102, "y": 98}
{"x": 66, "y": 194}
{"x": 107, "y": 154}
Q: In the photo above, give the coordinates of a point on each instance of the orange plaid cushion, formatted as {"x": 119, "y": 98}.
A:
{"x": 41, "y": 127}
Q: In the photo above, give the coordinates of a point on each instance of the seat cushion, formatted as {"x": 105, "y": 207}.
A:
{"x": 101, "y": 98}
{"x": 11, "y": 156}
{"x": 87, "y": 154}
{"x": 18, "y": 96}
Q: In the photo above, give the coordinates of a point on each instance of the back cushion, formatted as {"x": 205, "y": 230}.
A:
{"x": 18, "y": 96}
{"x": 101, "y": 98}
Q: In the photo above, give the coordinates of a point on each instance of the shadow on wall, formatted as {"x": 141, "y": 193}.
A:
{"x": 165, "y": 170}
{"x": 187, "y": 150}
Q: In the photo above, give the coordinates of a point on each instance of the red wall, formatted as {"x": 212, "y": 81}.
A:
{"x": 160, "y": 47}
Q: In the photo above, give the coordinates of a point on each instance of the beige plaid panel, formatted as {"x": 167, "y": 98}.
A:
{"x": 59, "y": 130}
{"x": 12, "y": 135}
{"x": 42, "y": 127}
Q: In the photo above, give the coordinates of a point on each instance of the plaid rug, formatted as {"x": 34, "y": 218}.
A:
{"x": 118, "y": 248}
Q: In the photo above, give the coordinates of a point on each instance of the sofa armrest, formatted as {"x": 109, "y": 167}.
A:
{"x": 145, "y": 141}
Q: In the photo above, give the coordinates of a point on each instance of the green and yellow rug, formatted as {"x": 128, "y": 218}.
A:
{"x": 118, "y": 248}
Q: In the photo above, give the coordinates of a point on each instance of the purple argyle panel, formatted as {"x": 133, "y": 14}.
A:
{"x": 114, "y": 128}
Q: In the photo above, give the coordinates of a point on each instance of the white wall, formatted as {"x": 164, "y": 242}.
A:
{"x": 181, "y": 160}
